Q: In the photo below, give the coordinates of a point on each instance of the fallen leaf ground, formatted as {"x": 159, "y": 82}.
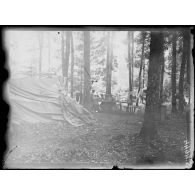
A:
{"x": 112, "y": 140}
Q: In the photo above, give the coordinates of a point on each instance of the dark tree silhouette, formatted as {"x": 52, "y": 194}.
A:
{"x": 132, "y": 54}
{"x": 161, "y": 76}
{"x": 149, "y": 130}
{"x": 188, "y": 69}
{"x": 142, "y": 63}
{"x": 129, "y": 38}
{"x": 173, "y": 73}
{"x": 72, "y": 64}
{"x": 182, "y": 71}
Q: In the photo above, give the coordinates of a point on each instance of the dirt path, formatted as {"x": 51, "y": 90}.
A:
{"x": 111, "y": 140}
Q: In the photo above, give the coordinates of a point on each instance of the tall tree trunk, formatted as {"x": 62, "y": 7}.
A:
{"x": 40, "y": 52}
{"x": 67, "y": 54}
{"x": 62, "y": 53}
{"x": 111, "y": 60}
{"x": 190, "y": 84}
{"x": 109, "y": 64}
{"x": 182, "y": 72}
{"x": 130, "y": 65}
{"x": 87, "y": 76}
{"x": 173, "y": 74}
{"x": 149, "y": 130}
{"x": 162, "y": 78}
{"x": 143, "y": 76}
{"x": 141, "y": 65}
{"x": 108, "y": 84}
{"x": 188, "y": 57}
{"x": 188, "y": 61}
{"x": 132, "y": 61}
{"x": 72, "y": 64}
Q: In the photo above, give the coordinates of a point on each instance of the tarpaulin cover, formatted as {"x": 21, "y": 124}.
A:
{"x": 36, "y": 100}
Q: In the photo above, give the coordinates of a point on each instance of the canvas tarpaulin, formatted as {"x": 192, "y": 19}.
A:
{"x": 36, "y": 100}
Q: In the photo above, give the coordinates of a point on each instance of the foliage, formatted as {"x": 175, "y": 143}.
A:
{"x": 98, "y": 58}
{"x": 138, "y": 51}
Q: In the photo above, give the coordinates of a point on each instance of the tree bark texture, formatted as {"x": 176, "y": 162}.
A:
{"x": 173, "y": 74}
{"x": 87, "y": 77}
{"x": 182, "y": 72}
{"x": 62, "y": 53}
{"x": 72, "y": 64}
{"x": 161, "y": 77}
{"x": 132, "y": 60}
{"x": 141, "y": 65}
{"x": 153, "y": 91}
{"x": 109, "y": 64}
{"x": 129, "y": 38}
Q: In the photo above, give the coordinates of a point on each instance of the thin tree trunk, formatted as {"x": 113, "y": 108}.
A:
{"x": 162, "y": 79}
{"x": 67, "y": 54}
{"x": 111, "y": 60}
{"x": 108, "y": 91}
{"x": 72, "y": 64}
{"x": 149, "y": 130}
{"x": 132, "y": 61}
{"x": 173, "y": 74}
{"x": 62, "y": 53}
{"x": 188, "y": 62}
{"x": 182, "y": 72}
{"x": 108, "y": 64}
{"x": 143, "y": 76}
{"x": 130, "y": 66}
{"x": 190, "y": 83}
{"x": 141, "y": 66}
{"x": 87, "y": 76}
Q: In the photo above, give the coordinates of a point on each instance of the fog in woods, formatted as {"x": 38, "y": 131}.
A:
{"x": 98, "y": 99}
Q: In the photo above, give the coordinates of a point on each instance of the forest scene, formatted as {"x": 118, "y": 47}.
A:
{"x": 100, "y": 98}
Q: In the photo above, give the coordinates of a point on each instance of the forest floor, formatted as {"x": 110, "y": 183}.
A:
{"x": 112, "y": 140}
